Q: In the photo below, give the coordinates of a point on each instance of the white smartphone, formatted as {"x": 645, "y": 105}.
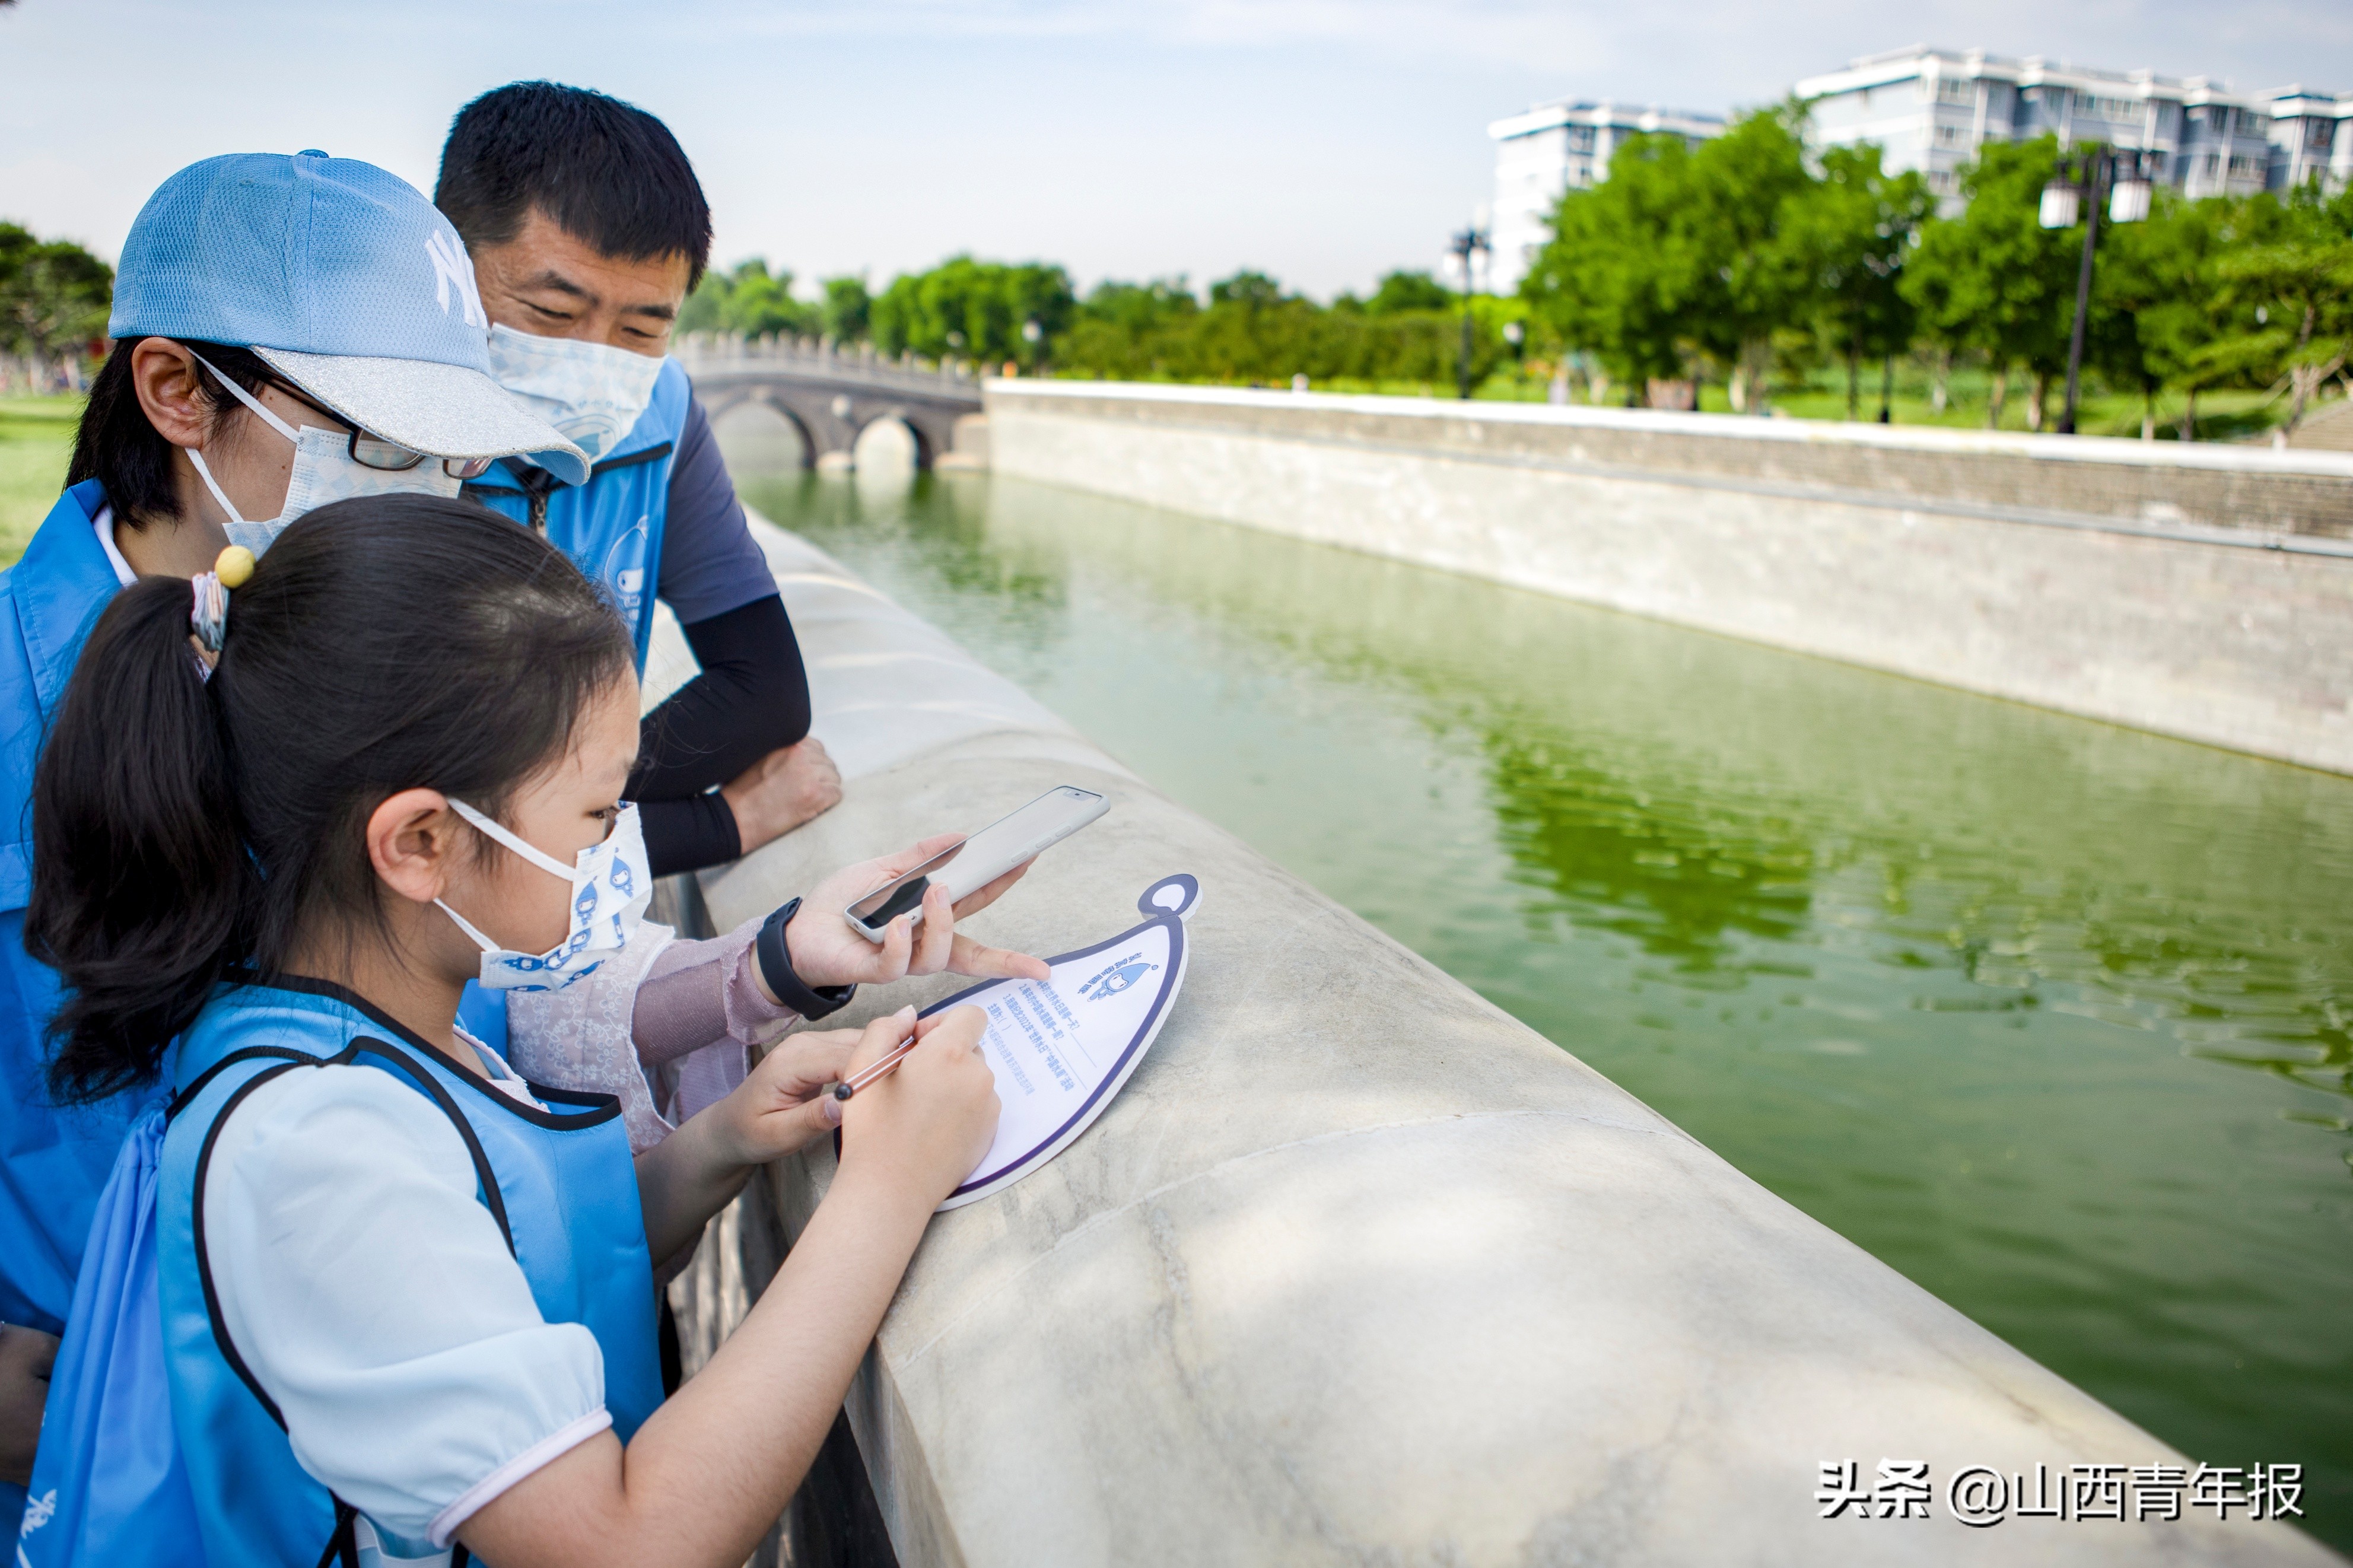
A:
{"x": 973, "y": 862}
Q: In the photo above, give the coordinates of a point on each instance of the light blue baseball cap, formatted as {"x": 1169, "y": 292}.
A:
{"x": 347, "y": 281}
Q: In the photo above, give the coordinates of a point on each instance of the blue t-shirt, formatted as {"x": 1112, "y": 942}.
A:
{"x": 710, "y": 563}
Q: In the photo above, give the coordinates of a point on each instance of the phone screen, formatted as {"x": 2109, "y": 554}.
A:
{"x": 976, "y": 861}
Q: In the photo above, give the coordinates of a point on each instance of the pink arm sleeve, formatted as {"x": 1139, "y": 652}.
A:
{"x": 697, "y": 994}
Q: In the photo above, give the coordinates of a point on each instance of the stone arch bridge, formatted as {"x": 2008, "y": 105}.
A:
{"x": 830, "y": 397}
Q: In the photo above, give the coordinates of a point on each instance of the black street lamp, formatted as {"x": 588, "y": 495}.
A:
{"x": 1468, "y": 240}
{"x": 1033, "y": 333}
{"x": 2085, "y": 178}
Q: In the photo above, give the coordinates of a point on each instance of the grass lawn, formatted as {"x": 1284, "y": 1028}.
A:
{"x": 35, "y": 440}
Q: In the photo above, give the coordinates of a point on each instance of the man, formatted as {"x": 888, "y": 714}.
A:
{"x": 588, "y": 229}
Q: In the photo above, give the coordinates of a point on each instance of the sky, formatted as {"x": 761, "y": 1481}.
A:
{"x": 1323, "y": 141}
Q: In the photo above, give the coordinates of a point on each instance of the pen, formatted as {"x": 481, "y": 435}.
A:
{"x": 876, "y": 1069}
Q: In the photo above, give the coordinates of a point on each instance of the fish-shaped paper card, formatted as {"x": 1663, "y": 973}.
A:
{"x": 1062, "y": 1047}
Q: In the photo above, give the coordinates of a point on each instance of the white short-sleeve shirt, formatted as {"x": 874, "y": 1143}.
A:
{"x": 372, "y": 1295}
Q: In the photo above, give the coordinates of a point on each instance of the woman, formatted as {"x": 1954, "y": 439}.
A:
{"x": 288, "y": 331}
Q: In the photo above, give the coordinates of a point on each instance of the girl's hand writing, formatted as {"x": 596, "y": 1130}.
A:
{"x": 925, "y": 1125}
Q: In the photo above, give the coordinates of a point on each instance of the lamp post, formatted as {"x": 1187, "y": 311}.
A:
{"x": 2083, "y": 178}
{"x": 1473, "y": 238}
{"x": 1033, "y": 333}
{"x": 1518, "y": 336}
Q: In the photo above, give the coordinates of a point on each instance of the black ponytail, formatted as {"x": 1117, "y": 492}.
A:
{"x": 139, "y": 884}
{"x": 183, "y": 828}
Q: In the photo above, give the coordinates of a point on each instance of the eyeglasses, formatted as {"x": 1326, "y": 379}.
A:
{"x": 387, "y": 457}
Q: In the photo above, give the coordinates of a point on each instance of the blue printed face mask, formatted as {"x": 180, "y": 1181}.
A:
{"x": 324, "y": 470}
{"x": 611, "y": 885}
{"x": 592, "y": 392}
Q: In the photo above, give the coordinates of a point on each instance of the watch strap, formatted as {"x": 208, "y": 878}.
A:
{"x": 811, "y": 1002}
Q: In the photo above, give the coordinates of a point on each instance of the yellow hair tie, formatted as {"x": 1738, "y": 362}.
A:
{"x": 233, "y": 567}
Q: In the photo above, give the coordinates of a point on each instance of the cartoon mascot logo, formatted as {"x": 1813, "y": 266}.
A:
{"x": 1111, "y": 981}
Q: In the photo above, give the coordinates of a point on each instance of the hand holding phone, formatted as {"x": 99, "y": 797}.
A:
{"x": 826, "y": 950}
{"x": 969, "y": 864}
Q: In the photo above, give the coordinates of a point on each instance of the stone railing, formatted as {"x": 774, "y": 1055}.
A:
{"x": 2253, "y": 494}
{"x": 1357, "y": 1269}
{"x": 706, "y": 354}
{"x": 2199, "y": 591}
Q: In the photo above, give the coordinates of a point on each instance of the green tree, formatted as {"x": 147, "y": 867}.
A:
{"x": 1856, "y": 228}
{"x": 1935, "y": 284}
{"x": 1607, "y": 283}
{"x": 1994, "y": 279}
{"x": 845, "y": 313}
{"x": 2157, "y": 307}
{"x": 1402, "y": 291}
{"x": 747, "y": 301}
{"x": 1252, "y": 330}
{"x": 974, "y": 309}
{"x": 54, "y": 298}
{"x": 1684, "y": 255}
{"x": 1742, "y": 273}
{"x": 2291, "y": 283}
{"x": 762, "y": 306}
{"x": 705, "y": 305}
{"x": 1040, "y": 293}
{"x": 1250, "y": 289}
{"x": 1131, "y": 330}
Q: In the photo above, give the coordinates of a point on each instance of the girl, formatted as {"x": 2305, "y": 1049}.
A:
{"x": 405, "y": 1296}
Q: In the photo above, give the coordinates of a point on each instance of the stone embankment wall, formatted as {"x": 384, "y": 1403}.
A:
{"x": 1357, "y": 1269}
{"x": 2204, "y": 592}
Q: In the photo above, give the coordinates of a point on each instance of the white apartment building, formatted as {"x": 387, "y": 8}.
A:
{"x": 1553, "y": 149}
{"x": 1931, "y": 110}
{"x": 2311, "y": 139}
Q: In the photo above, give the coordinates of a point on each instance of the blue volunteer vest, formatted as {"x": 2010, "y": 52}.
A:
{"x": 53, "y": 1159}
{"x": 612, "y": 526}
{"x": 564, "y": 1192}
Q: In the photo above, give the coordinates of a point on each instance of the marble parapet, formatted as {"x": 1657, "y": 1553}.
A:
{"x": 1359, "y": 1269}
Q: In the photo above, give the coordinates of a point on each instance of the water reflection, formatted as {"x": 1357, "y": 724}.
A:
{"x": 1605, "y": 851}
{"x": 2050, "y": 1015}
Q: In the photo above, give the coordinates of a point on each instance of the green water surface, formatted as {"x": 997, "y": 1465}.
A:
{"x": 2050, "y": 1015}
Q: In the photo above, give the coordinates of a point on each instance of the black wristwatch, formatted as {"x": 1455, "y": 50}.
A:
{"x": 811, "y": 1002}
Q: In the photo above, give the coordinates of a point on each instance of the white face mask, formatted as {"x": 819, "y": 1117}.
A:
{"x": 324, "y": 470}
{"x": 592, "y": 392}
{"x": 611, "y": 885}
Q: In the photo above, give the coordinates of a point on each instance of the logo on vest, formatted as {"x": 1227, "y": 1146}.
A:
{"x": 625, "y": 573}
{"x": 453, "y": 270}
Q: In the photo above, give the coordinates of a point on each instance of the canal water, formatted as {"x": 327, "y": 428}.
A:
{"x": 2054, "y": 1017}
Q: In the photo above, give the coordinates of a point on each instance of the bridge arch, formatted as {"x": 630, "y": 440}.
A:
{"x": 757, "y": 437}
{"x": 831, "y": 400}
{"x": 890, "y": 439}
